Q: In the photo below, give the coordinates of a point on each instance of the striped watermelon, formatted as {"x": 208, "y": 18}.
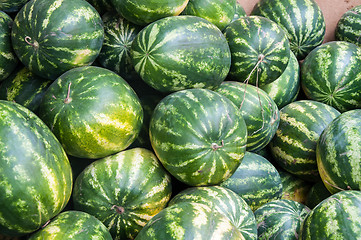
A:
{"x": 280, "y": 219}
{"x": 92, "y": 111}
{"x": 53, "y": 36}
{"x": 256, "y": 180}
{"x": 142, "y": 12}
{"x": 11, "y": 6}
{"x": 302, "y": 21}
{"x": 124, "y": 191}
{"x": 285, "y": 89}
{"x": 224, "y": 201}
{"x": 331, "y": 74}
{"x": 260, "y": 50}
{"x": 35, "y": 174}
{"x": 294, "y": 188}
{"x": 8, "y": 59}
{"x": 118, "y": 37}
{"x": 73, "y": 225}
{"x": 198, "y": 135}
{"x": 317, "y": 194}
{"x": 259, "y": 111}
{"x": 349, "y": 26}
{"x": 25, "y": 88}
{"x": 218, "y": 12}
{"x": 180, "y": 52}
{"x": 338, "y": 152}
{"x": 189, "y": 220}
{"x": 294, "y": 145}
{"x": 336, "y": 217}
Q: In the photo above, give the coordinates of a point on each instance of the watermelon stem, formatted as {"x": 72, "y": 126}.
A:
{"x": 118, "y": 209}
{"x": 28, "y": 40}
{"x": 215, "y": 146}
{"x": 68, "y": 98}
{"x": 332, "y": 185}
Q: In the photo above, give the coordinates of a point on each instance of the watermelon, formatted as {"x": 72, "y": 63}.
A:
{"x": 259, "y": 111}
{"x": 256, "y": 180}
{"x": 189, "y": 220}
{"x": 294, "y": 146}
{"x": 74, "y": 225}
{"x": 53, "y": 36}
{"x": 218, "y": 12}
{"x": 25, "y": 88}
{"x": 11, "y": 6}
{"x": 35, "y": 174}
{"x": 260, "y": 50}
{"x": 338, "y": 152}
{"x": 198, "y": 135}
{"x": 181, "y": 52}
{"x": 240, "y": 12}
{"x": 92, "y": 111}
{"x": 294, "y": 188}
{"x": 144, "y": 12}
{"x": 124, "y": 191}
{"x": 224, "y": 201}
{"x": 336, "y": 217}
{"x": 8, "y": 59}
{"x": 348, "y": 27}
{"x": 285, "y": 89}
{"x": 280, "y": 219}
{"x": 118, "y": 37}
{"x": 317, "y": 194}
{"x": 331, "y": 73}
{"x": 302, "y": 20}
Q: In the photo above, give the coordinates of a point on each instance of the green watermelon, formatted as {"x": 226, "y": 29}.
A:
{"x": 73, "y": 225}
{"x": 180, "y": 52}
{"x": 294, "y": 146}
{"x": 348, "y": 27}
{"x": 260, "y": 50}
{"x": 331, "y": 73}
{"x": 124, "y": 191}
{"x": 25, "y": 88}
{"x": 11, "y": 6}
{"x": 256, "y": 180}
{"x": 224, "y": 201}
{"x": 280, "y": 219}
{"x": 218, "y": 12}
{"x": 189, "y": 220}
{"x": 338, "y": 152}
{"x": 259, "y": 111}
{"x": 336, "y": 217}
{"x": 53, "y": 36}
{"x": 293, "y": 187}
{"x": 118, "y": 37}
{"x": 317, "y": 194}
{"x": 92, "y": 111}
{"x": 198, "y": 135}
{"x": 302, "y": 20}
{"x": 285, "y": 89}
{"x": 35, "y": 174}
{"x": 142, "y": 12}
{"x": 8, "y": 59}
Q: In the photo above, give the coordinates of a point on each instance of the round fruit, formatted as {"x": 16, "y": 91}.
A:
{"x": 198, "y": 135}
{"x": 35, "y": 174}
{"x": 92, "y": 111}
{"x": 53, "y": 36}
{"x": 176, "y": 53}
{"x": 349, "y": 26}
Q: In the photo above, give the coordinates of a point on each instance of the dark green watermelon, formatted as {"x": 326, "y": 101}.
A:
{"x": 317, "y": 194}
{"x": 11, "y": 6}
{"x": 35, "y": 174}
{"x": 92, "y": 111}
{"x": 198, "y": 135}
{"x": 181, "y": 52}
{"x": 348, "y": 27}
{"x": 53, "y": 36}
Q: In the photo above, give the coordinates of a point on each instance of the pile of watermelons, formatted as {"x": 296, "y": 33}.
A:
{"x": 177, "y": 119}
